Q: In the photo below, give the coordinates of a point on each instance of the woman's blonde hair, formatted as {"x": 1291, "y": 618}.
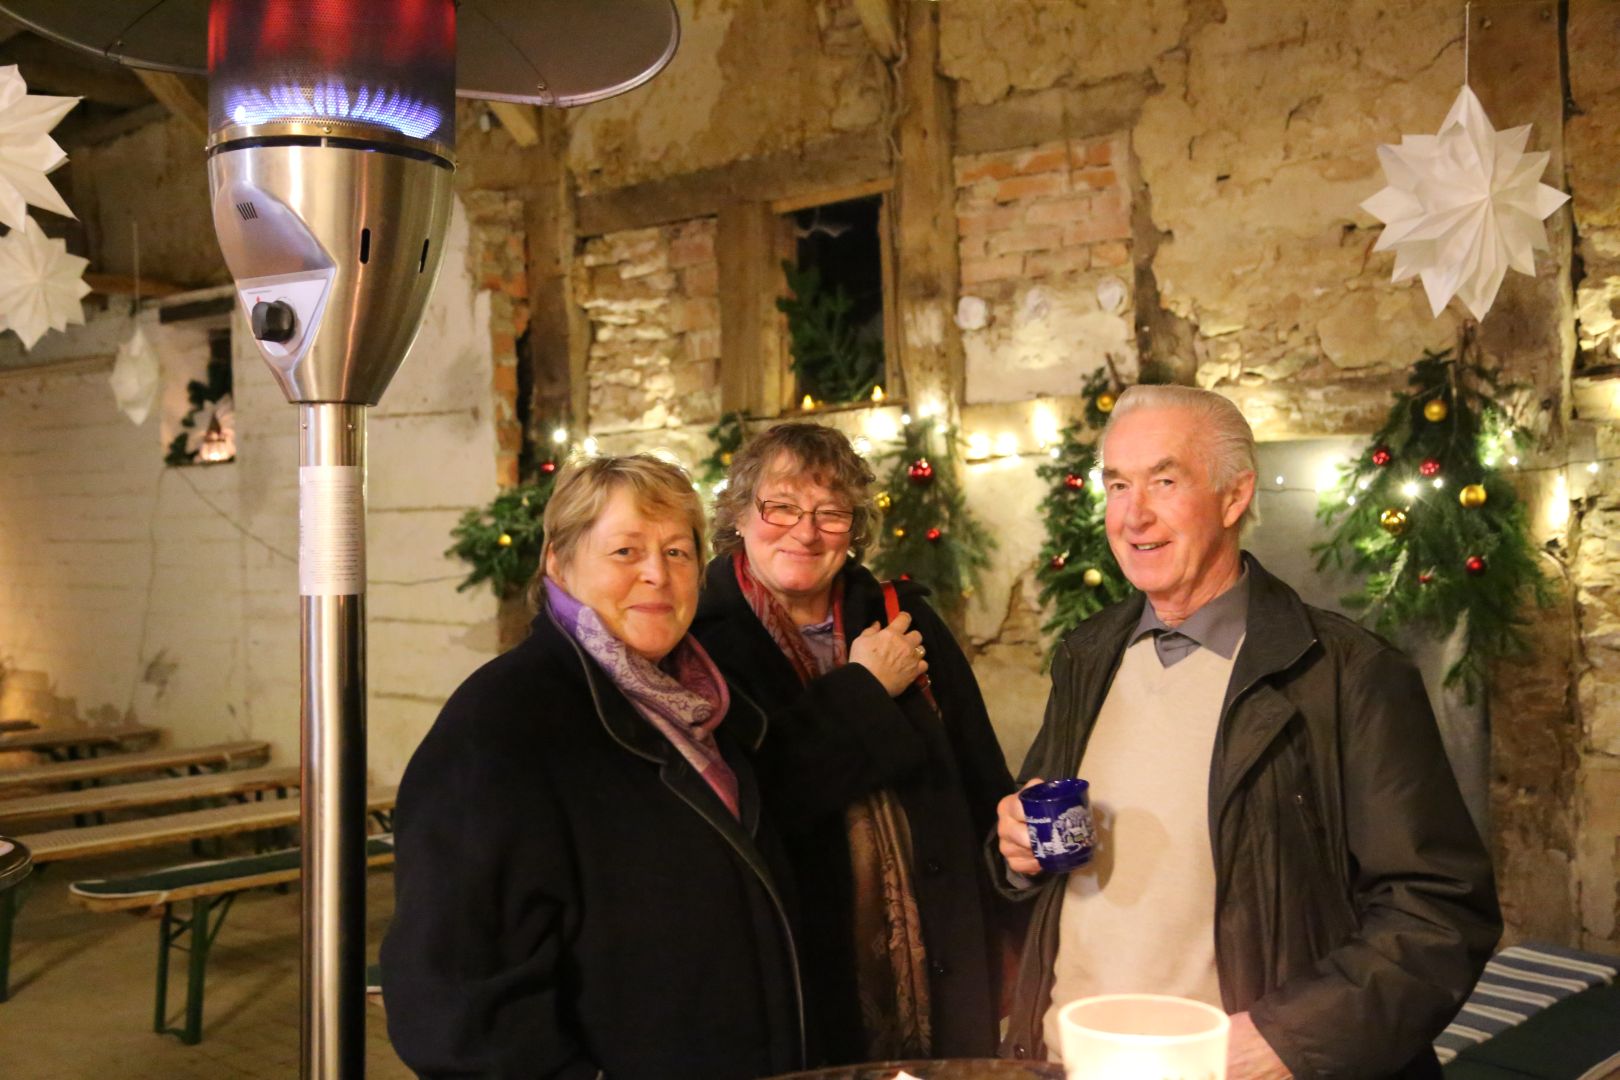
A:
{"x": 821, "y": 453}
{"x": 583, "y": 488}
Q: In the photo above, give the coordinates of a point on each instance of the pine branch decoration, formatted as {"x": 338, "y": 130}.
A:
{"x": 927, "y": 533}
{"x": 833, "y": 361}
{"x": 1429, "y": 518}
{"x": 502, "y": 541}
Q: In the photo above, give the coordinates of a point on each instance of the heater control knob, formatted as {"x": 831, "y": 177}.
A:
{"x": 274, "y": 320}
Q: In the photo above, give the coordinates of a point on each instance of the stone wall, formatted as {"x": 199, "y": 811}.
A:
{"x": 652, "y": 299}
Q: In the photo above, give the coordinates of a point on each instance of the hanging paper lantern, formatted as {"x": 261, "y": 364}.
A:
{"x": 1393, "y": 521}
{"x": 932, "y": 536}
{"x": 884, "y": 500}
{"x": 1074, "y": 481}
{"x": 920, "y": 472}
{"x": 1429, "y": 468}
{"x": 1381, "y": 456}
{"x": 1435, "y": 411}
{"x": 1105, "y": 402}
{"x": 548, "y": 467}
{"x": 1472, "y": 496}
{"x": 1092, "y": 577}
{"x": 1058, "y": 562}
{"x": 1475, "y": 565}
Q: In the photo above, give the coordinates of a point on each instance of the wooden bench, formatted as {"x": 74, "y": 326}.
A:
{"x": 211, "y": 888}
{"x": 67, "y": 743}
{"x": 60, "y": 845}
{"x": 114, "y": 797}
{"x": 192, "y": 759}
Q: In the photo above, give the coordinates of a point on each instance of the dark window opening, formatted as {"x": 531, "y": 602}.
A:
{"x": 834, "y": 304}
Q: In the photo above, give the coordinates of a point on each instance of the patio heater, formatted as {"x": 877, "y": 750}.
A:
{"x": 329, "y": 164}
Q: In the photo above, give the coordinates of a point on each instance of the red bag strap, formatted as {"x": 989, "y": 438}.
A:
{"x": 891, "y": 609}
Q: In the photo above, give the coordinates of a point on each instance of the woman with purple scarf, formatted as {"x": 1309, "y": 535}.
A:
{"x": 883, "y": 782}
{"x": 584, "y": 886}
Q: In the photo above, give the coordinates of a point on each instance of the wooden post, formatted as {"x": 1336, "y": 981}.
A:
{"x": 558, "y": 334}
{"x": 926, "y": 264}
{"x": 748, "y": 250}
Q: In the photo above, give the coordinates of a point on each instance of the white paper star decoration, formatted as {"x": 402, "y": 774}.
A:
{"x": 136, "y": 376}
{"x": 40, "y": 283}
{"x": 27, "y": 151}
{"x": 1463, "y": 206}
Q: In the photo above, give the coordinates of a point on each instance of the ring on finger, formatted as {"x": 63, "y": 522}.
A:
{"x": 919, "y": 650}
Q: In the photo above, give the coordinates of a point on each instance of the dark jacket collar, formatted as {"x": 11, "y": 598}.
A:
{"x": 744, "y": 722}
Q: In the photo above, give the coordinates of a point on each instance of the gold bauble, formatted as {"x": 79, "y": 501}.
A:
{"x": 725, "y": 459}
{"x": 1105, "y": 403}
{"x": 1092, "y": 577}
{"x": 884, "y": 500}
{"x": 1393, "y": 521}
{"x": 1472, "y": 497}
{"x": 1435, "y": 411}
{"x": 504, "y": 540}
{"x": 899, "y": 532}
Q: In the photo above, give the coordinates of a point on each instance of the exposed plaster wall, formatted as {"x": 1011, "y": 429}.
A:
{"x": 749, "y": 79}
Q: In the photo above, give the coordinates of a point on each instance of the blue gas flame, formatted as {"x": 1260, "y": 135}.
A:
{"x": 333, "y": 100}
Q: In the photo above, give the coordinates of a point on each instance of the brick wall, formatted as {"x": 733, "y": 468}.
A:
{"x": 1040, "y": 229}
{"x": 651, "y": 296}
{"x": 171, "y": 595}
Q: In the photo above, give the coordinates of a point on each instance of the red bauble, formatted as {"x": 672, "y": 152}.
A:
{"x": 1430, "y": 467}
{"x": 905, "y": 577}
{"x": 1058, "y": 562}
{"x": 1475, "y": 565}
{"x": 1425, "y": 578}
{"x": 1074, "y": 481}
{"x": 1381, "y": 456}
{"x": 933, "y": 535}
{"x": 548, "y": 467}
{"x": 920, "y": 472}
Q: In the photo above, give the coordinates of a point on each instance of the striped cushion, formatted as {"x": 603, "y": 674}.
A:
{"x": 1519, "y": 981}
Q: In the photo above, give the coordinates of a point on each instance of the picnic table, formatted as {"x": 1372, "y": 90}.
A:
{"x": 191, "y": 759}
{"x": 148, "y": 793}
{"x": 66, "y": 743}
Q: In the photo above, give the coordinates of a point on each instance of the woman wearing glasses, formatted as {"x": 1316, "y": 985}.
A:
{"x": 884, "y": 784}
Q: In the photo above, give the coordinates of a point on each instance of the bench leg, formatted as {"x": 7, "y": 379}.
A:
{"x": 200, "y": 931}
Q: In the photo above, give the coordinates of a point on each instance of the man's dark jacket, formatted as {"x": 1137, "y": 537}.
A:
{"x": 842, "y": 737}
{"x": 1355, "y": 905}
{"x": 572, "y": 899}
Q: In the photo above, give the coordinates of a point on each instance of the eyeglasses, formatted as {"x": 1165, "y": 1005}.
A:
{"x": 786, "y": 515}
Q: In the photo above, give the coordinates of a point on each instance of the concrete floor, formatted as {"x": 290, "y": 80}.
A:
{"x": 82, "y": 988}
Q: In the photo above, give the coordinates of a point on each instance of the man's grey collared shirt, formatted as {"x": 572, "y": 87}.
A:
{"x": 1218, "y": 625}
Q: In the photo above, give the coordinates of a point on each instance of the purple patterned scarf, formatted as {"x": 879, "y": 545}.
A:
{"x": 683, "y": 696}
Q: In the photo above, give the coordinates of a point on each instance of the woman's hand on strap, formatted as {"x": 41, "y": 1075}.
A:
{"x": 894, "y": 654}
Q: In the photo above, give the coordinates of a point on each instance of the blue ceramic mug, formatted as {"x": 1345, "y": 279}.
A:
{"x": 1061, "y": 832}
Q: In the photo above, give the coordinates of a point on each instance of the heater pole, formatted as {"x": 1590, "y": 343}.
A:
{"x": 332, "y": 609}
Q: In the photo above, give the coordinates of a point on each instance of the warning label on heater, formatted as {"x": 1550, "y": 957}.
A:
{"x": 331, "y": 531}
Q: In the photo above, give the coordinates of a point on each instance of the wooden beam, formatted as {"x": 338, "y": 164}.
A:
{"x": 121, "y": 285}
{"x": 843, "y": 161}
{"x": 186, "y": 96}
{"x": 753, "y": 371}
{"x": 522, "y": 122}
{"x": 881, "y": 26}
{"x": 832, "y": 195}
{"x": 559, "y": 336}
{"x": 927, "y": 268}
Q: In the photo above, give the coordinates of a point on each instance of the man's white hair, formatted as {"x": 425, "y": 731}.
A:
{"x": 1225, "y": 432}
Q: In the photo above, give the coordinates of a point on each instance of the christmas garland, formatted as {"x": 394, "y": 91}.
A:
{"x": 727, "y": 438}
{"x": 927, "y": 533}
{"x": 502, "y": 541}
{"x": 1437, "y": 528}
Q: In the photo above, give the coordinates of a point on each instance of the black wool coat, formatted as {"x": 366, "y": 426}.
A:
{"x": 841, "y": 737}
{"x": 572, "y": 900}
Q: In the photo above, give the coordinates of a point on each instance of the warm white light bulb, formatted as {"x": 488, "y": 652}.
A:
{"x": 861, "y": 445}
{"x": 978, "y": 445}
{"x": 1363, "y": 484}
{"x": 1351, "y": 500}
{"x": 1592, "y": 467}
{"x": 1007, "y": 444}
{"x": 1438, "y": 482}
{"x": 1279, "y": 480}
{"x": 559, "y": 435}
{"x": 1409, "y": 489}
{"x": 589, "y": 445}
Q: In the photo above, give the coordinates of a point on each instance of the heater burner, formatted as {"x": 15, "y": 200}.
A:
{"x": 333, "y": 101}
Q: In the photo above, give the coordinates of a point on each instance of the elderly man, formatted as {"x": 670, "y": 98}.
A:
{"x": 1280, "y": 833}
